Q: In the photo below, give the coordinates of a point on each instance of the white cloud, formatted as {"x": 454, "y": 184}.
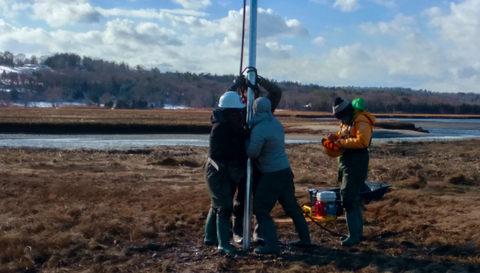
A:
{"x": 412, "y": 64}
{"x": 385, "y": 3}
{"x": 347, "y": 65}
{"x": 321, "y": 2}
{"x": 401, "y": 24}
{"x": 270, "y": 25}
{"x": 346, "y": 5}
{"x": 135, "y": 36}
{"x": 184, "y": 12}
{"x": 185, "y": 47}
{"x": 223, "y": 3}
{"x": 10, "y": 8}
{"x": 445, "y": 59}
{"x": 433, "y": 12}
{"x": 461, "y": 27}
{"x": 70, "y": 12}
{"x": 61, "y": 12}
{"x": 467, "y": 72}
{"x": 147, "y": 13}
{"x": 194, "y": 4}
{"x": 319, "y": 41}
{"x": 275, "y": 46}
{"x": 140, "y": 13}
{"x": 122, "y": 40}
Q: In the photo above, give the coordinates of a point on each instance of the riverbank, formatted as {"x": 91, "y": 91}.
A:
{"x": 144, "y": 210}
{"x": 107, "y": 121}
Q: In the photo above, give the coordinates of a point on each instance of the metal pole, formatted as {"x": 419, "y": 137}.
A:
{"x": 247, "y": 225}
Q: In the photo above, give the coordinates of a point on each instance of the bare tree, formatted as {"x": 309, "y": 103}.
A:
{"x": 33, "y": 59}
{"x": 106, "y": 99}
{"x": 19, "y": 59}
{"x": 8, "y": 58}
{"x": 53, "y": 95}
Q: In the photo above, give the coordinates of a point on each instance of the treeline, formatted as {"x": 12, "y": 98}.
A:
{"x": 95, "y": 81}
{"x": 9, "y": 59}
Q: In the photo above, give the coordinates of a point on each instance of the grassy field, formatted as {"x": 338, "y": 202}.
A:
{"x": 144, "y": 211}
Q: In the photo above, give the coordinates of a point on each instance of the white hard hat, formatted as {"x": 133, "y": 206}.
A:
{"x": 230, "y": 99}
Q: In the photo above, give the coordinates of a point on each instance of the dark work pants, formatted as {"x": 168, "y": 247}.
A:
{"x": 273, "y": 187}
{"x": 239, "y": 202}
{"x": 222, "y": 190}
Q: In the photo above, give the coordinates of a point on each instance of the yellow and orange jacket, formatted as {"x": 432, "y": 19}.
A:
{"x": 359, "y": 134}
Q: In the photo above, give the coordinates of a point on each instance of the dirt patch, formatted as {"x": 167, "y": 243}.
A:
{"x": 173, "y": 162}
{"x": 458, "y": 179}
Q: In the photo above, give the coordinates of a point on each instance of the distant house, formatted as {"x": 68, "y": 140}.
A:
{"x": 35, "y": 67}
{"x": 308, "y": 106}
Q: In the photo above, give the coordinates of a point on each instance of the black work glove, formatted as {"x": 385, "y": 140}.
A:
{"x": 258, "y": 79}
{"x": 239, "y": 82}
{"x": 254, "y": 87}
{"x": 247, "y": 132}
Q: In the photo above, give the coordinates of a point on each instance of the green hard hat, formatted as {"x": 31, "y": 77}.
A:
{"x": 359, "y": 104}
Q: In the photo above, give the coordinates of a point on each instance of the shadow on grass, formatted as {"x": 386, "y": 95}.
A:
{"x": 353, "y": 260}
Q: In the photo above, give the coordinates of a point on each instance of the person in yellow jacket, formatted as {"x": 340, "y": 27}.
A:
{"x": 354, "y": 136}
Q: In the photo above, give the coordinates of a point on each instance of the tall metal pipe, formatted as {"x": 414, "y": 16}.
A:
{"x": 247, "y": 224}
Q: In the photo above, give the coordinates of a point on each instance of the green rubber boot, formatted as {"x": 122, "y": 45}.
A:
{"x": 223, "y": 234}
{"x": 360, "y": 224}
{"x": 353, "y": 228}
{"x": 211, "y": 229}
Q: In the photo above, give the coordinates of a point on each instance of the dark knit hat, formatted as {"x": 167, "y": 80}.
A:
{"x": 342, "y": 108}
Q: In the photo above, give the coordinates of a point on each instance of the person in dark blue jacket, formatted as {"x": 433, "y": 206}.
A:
{"x": 225, "y": 168}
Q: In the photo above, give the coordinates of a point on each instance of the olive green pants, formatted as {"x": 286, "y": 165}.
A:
{"x": 352, "y": 173}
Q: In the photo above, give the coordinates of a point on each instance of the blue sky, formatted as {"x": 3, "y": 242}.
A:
{"x": 423, "y": 44}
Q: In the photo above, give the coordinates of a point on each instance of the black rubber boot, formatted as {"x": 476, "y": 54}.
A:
{"x": 238, "y": 230}
{"x": 265, "y": 250}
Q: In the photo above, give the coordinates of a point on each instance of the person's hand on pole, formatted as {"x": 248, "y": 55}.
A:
{"x": 240, "y": 82}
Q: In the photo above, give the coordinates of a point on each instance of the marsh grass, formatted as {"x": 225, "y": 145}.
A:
{"x": 415, "y": 183}
{"x": 98, "y": 211}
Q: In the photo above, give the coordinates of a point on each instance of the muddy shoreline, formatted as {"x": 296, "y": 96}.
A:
{"x": 191, "y": 121}
{"x": 109, "y": 128}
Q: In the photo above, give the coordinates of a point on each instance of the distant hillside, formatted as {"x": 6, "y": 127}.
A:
{"x": 73, "y": 78}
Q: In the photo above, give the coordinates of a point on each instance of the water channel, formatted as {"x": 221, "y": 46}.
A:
{"x": 440, "y": 129}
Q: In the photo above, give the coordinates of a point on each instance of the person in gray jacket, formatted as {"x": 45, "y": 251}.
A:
{"x": 274, "y": 95}
{"x": 267, "y": 147}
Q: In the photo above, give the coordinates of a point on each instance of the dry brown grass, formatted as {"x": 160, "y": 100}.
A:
{"x": 104, "y": 116}
{"x": 144, "y": 211}
{"x": 414, "y": 183}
